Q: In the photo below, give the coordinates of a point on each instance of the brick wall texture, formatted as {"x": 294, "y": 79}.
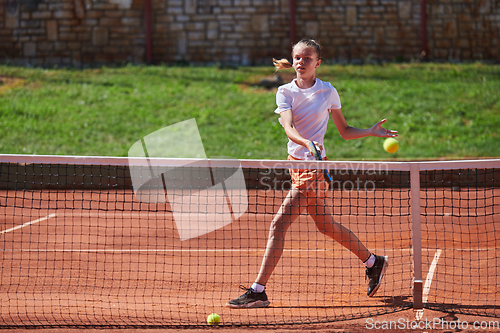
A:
{"x": 244, "y": 32}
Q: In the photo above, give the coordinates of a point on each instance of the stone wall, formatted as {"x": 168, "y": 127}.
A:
{"x": 71, "y": 32}
{"x": 464, "y": 30}
{"x": 88, "y": 32}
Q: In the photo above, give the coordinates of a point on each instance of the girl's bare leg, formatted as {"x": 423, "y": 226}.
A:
{"x": 325, "y": 223}
{"x": 290, "y": 209}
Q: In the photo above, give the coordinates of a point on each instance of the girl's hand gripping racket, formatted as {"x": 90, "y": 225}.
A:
{"x": 317, "y": 154}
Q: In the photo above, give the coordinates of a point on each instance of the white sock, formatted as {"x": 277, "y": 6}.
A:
{"x": 370, "y": 261}
{"x": 258, "y": 288}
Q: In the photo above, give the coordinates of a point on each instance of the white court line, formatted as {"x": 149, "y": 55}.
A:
{"x": 430, "y": 275}
{"x": 428, "y": 282}
{"x": 27, "y": 224}
{"x": 78, "y": 213}
{"x": 180, "y": 250}
{"x": 155, "y": 250}
{"x": 122, "y": 214}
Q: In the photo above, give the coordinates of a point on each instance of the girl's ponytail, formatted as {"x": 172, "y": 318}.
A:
{"x": 281, "y": 64}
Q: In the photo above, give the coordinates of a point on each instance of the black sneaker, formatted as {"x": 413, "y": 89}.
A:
{"x": 250, "y": 299}
{"x": 375, "y": 273}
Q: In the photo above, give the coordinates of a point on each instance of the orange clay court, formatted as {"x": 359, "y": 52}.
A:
{"x": 89, "y": 257}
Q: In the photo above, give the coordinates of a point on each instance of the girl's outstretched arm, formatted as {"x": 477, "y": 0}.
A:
{"x": 347, "y": 132}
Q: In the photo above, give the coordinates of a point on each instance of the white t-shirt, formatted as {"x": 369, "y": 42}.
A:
{"x": 311, "y": 110}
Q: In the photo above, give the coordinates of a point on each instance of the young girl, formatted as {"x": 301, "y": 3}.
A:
{"x": 305, "y": 105}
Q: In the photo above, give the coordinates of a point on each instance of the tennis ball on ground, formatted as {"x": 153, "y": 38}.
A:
{"x": 213, "y": 319}
{"x": 391, "y": 145}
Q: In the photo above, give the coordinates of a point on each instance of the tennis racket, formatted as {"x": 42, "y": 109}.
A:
{"x": 317, "y": 155}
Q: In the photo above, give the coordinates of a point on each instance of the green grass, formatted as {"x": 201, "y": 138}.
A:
{"x": 440, "y": 110}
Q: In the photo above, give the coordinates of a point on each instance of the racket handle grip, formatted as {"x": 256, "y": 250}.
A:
{"x": 315, "y": 150}
{"x": 317, "y": 155}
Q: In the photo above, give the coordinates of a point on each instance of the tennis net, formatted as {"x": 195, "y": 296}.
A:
{"x": 460, "y": 220}
{"x": 102, "y": 241}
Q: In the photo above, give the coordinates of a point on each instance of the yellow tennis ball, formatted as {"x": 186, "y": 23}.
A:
{"x": 213, "y": 319}
{"x": 391, "y": 145}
